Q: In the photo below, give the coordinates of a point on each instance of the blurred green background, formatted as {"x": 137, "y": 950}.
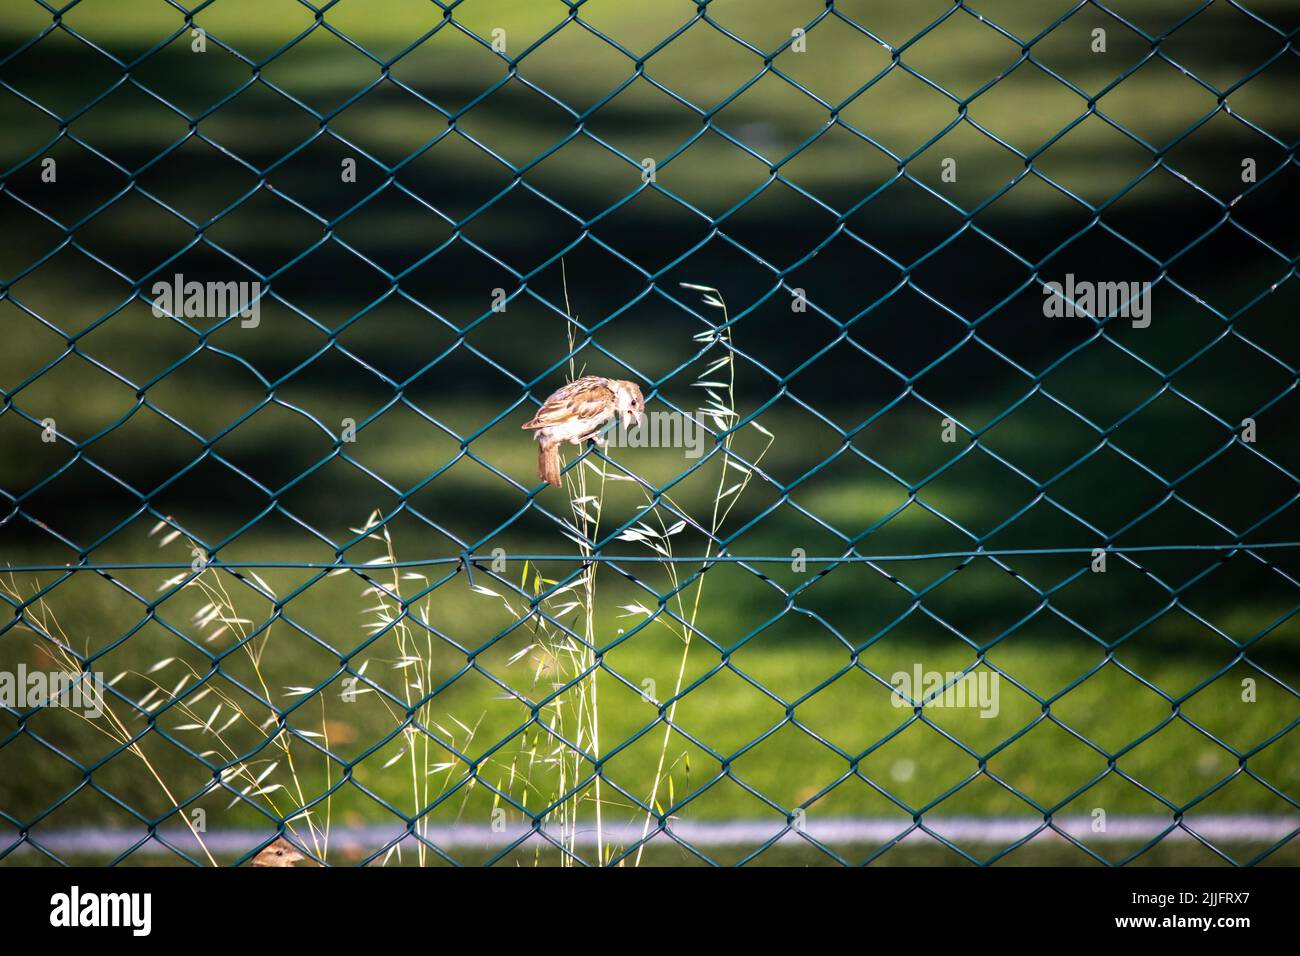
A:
{"x": 227, "y": 167}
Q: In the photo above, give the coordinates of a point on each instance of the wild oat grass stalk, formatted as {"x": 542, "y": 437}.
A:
{"x": 587, "y": 526}
{"x": 221, "y": 623}
{"x": 52, "y": 641}
{"x": 721, "y": 409}
{"x": 564, "y": 659}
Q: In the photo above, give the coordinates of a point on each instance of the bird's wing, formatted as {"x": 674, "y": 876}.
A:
{"x": 588, "y": 397}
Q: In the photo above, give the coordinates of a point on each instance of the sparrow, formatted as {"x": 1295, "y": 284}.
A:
{"x": 580, "y": 411}
{"x": 280, "y": 852}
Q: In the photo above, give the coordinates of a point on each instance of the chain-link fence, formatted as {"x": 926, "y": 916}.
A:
{"x": 960, "y": 526}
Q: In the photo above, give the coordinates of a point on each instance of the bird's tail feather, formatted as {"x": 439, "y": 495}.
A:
{"x": 548, "y": 463}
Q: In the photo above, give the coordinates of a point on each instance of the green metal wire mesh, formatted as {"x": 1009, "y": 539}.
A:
{"x": 1255, "y": 544}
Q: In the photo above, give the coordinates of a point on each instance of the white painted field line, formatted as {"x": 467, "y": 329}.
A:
{"x": 963, "y": 830}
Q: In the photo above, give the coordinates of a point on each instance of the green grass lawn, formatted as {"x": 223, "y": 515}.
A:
{"x": 790, "y": 711}
{"x": 786, "y": 707}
